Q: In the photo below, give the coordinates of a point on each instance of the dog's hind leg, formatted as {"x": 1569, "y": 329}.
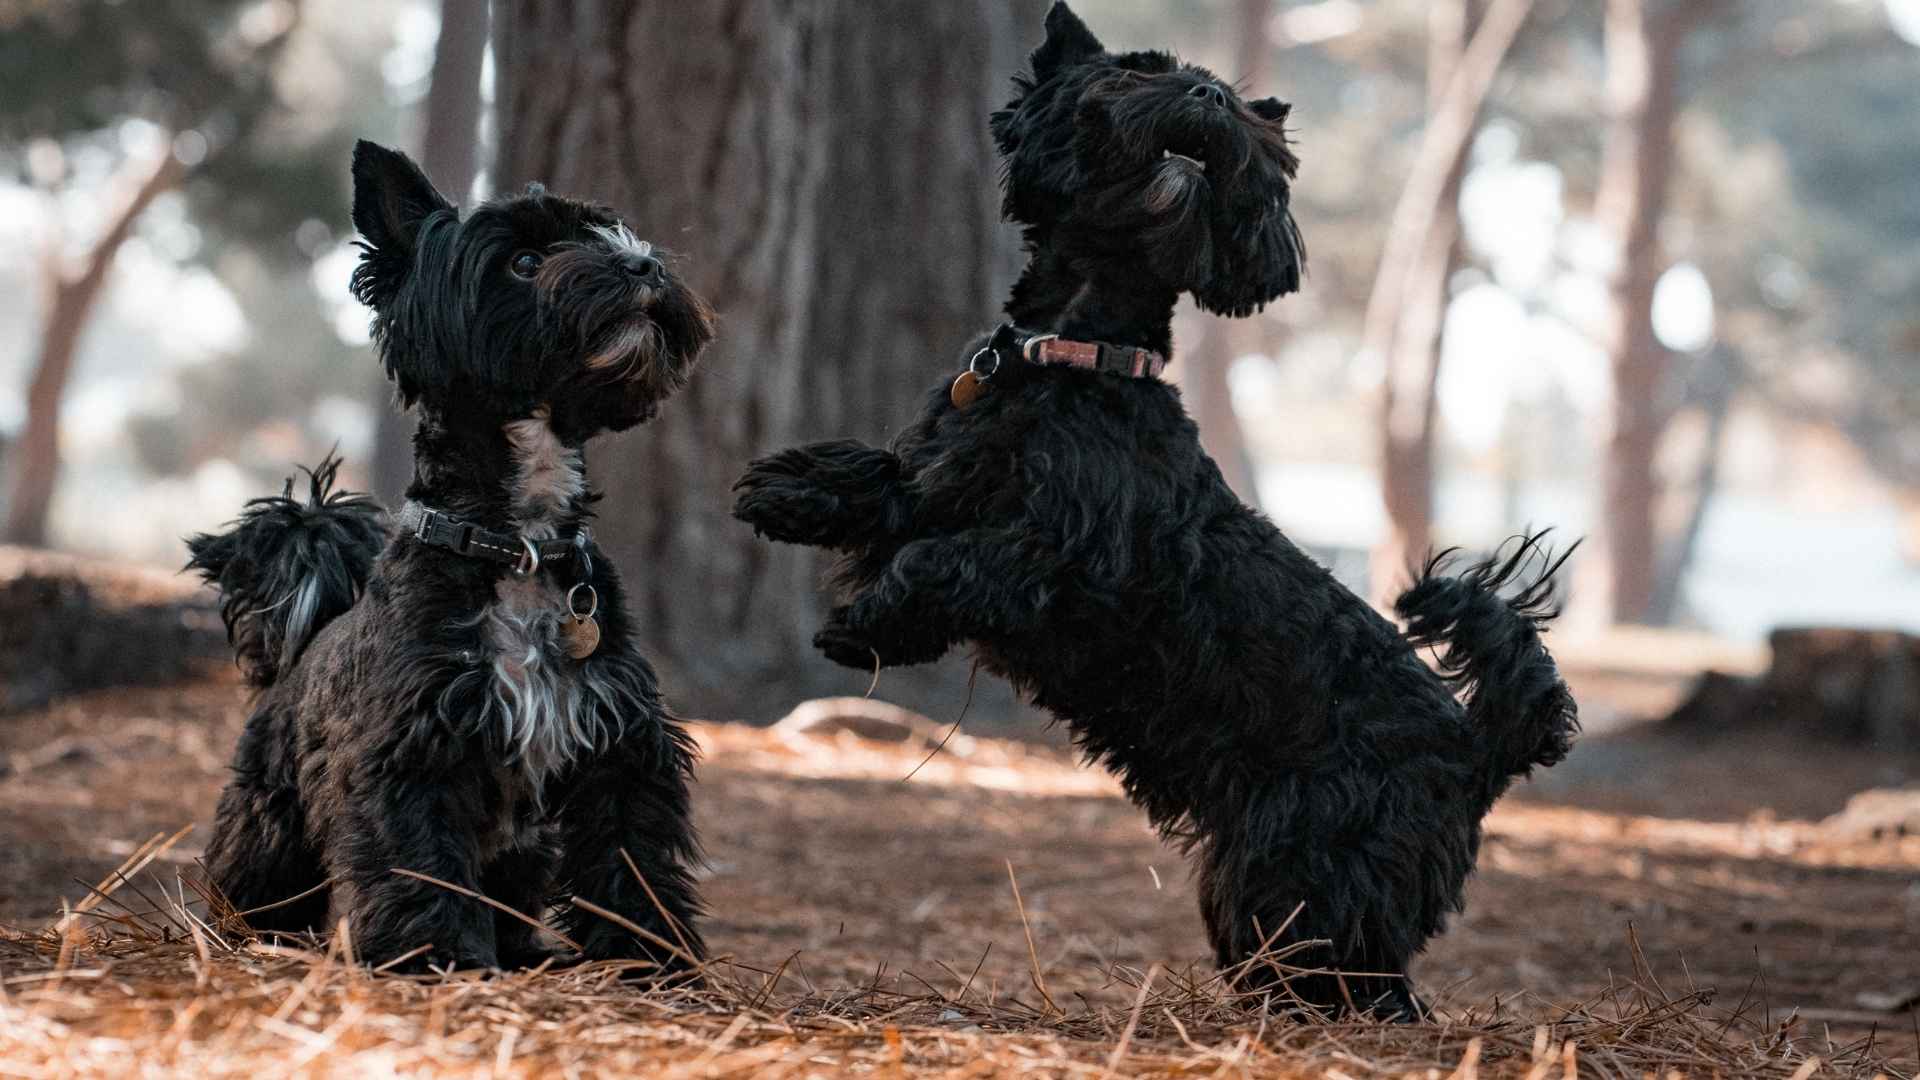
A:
{"x": 1270, "y": 942}
{"x": 259, "y": 856}
{"x": 629, "y": 849}
{"x": 828, "y": 494}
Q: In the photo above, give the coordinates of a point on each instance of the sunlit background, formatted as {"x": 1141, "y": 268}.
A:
{"x": 224, "y": 346}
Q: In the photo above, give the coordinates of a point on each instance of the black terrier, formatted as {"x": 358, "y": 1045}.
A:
{"x": 463, "y": 700}
{"x": 1053, "y": 507}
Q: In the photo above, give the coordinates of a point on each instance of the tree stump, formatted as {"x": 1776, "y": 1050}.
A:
{"x": 1852, "y": 685}
{"x": 70, "y": 624}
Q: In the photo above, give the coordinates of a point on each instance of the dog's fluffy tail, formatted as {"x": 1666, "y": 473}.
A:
{"x": 286, "y": 568}
{"x": 1489, "y": 646}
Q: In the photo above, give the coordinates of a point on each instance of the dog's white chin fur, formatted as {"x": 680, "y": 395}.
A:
{"x": 549, "y": 476}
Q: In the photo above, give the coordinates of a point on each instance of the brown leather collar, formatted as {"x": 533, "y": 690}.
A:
{"x": 1093, "y": 355}
{"x": 1010, "y": 344}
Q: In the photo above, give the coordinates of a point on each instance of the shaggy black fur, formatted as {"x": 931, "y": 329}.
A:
{"x": 435, "y": 723}
{"x": 1069, "y": 526}
{"x": 287, "y": 568}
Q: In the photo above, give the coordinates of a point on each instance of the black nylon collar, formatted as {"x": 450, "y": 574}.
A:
{"x": 436, "y": 528}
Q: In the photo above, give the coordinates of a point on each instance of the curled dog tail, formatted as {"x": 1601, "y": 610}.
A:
{"x": 286, "y": 568}
{"x": 1490, "y": 647}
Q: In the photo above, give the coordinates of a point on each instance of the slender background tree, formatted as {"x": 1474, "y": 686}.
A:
{"x": 199, "y": 74}
{"x": 1406, "y": 310}
{"x": 1643, "y": 43}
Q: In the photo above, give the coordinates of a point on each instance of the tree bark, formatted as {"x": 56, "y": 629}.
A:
{"x": 1406, "y": 310}
{"x": 71, "y": 295}
{"x": 825, "y": 175}
{"x": 1643, "y": 40}
{"x": 1204, "y": 367}
{"x": 449, "y": 152}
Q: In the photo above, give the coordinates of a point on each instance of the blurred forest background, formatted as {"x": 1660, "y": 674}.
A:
{"x": 1646, "y": 270}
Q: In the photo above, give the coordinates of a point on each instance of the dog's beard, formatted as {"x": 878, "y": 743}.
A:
{"x": 630, "y": 353}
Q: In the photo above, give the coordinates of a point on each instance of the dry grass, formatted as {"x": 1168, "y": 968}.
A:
{"x": 143, "y": 978}
{"x": 873, "y": 927}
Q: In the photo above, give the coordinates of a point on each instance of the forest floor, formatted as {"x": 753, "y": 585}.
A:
{"x": 1659, "y": 904}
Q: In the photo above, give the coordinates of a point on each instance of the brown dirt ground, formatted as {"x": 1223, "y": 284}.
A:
{"x": 822, "y": 859}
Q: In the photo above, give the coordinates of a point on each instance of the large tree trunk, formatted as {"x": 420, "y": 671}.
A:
{"x": 1407, "y": 307}
{"x": 1643, "y": 40}
{"x": 823, "y": 171}
{"x": 1204, "y": 366}
{"x": 449, "y": 144}
{"x": 71, "y": 295}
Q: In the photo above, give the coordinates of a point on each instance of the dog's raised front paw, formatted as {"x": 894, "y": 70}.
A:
{"x": 845, "y": 645}
{"x": 828, "y": 494}
{"x": 782, "y": 504}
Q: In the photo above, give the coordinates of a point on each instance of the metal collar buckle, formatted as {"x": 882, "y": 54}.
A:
{"x": 439, "y": 530}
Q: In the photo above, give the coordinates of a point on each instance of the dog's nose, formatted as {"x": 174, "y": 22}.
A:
{"x": 1211, "y": 93}
{"x": 645, "y": 267}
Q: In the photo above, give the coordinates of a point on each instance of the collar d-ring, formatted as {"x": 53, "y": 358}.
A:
{"x": 593, "y": 601}
{"x": 973, "y": 363}
{"x": 529, "y": 563}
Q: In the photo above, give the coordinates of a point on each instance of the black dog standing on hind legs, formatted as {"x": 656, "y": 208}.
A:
{"x": 464, "y": 700}
{"x": 1053, "y": 507}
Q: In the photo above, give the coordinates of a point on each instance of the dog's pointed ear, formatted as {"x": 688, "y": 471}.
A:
{"x": 1068, "y": 42}
{"x": 1270, "y": 108}
{"x": 392, "y": 198}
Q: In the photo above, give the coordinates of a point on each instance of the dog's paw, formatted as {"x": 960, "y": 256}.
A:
{"x": 520, "y": 955}
{"x": 867, "y": 635}
{"x": 782, "y": 504}
{"x": 641, "y": 963}
{"x": 468, "y": 959}
{"x": 829, "y": 494}
{"x": 844, "y": 645}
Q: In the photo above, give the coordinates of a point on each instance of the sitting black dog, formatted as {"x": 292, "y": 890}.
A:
{"x": 463, "y": 700}
{"x": 1053, "y": 507}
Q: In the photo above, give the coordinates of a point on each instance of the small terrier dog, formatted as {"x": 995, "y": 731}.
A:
{"x": 1053, "y": 507}
{"x": 461, "y": 700}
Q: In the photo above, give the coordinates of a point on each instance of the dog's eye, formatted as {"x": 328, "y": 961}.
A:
{"x": 525, "y": 264}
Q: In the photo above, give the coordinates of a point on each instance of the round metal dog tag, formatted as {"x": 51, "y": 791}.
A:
{"x": 583, "y": 636}
{"x": 580, "y": 629}
{"x": 966, "y": 389}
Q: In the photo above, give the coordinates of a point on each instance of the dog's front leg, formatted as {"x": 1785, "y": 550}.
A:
{"x": 401, "y": 828}
{"x": 630, "y": 847}
{"x": 522, "y": 879}
{"x": 835, "y": 494}
{"x": 937, "y": 591}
